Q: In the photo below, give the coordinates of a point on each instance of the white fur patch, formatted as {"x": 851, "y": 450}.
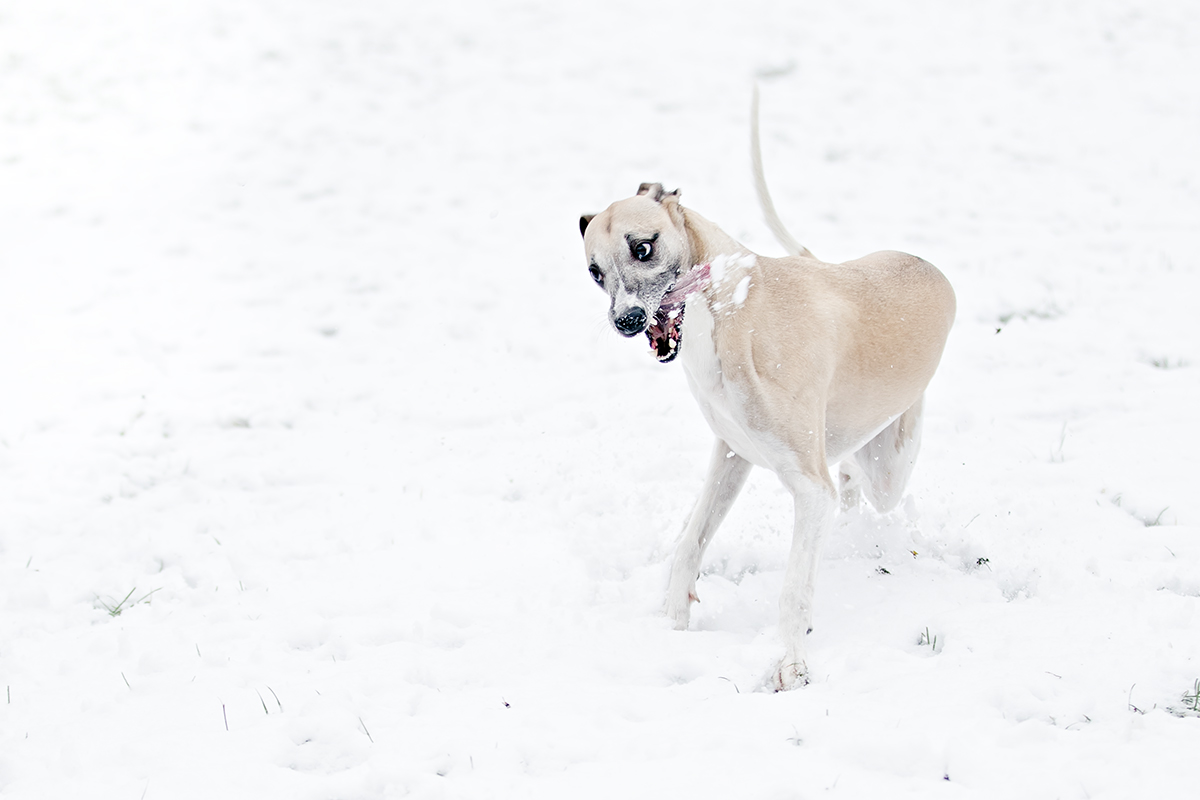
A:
{"x": 720, "y": 402}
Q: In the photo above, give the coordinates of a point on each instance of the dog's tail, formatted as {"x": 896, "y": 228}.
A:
{"x": 771, "y": 216}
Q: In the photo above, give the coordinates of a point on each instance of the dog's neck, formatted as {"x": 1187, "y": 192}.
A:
{"x": 707, "y": 241}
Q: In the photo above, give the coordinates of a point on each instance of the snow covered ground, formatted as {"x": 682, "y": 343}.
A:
{"x": 322, "y": 476}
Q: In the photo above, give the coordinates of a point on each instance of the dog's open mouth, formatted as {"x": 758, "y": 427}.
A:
{"x": 666, "y": 333}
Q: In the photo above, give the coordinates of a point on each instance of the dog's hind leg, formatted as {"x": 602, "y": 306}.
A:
{"x": 727, "y": 472}
{"x": 887, "y": 460}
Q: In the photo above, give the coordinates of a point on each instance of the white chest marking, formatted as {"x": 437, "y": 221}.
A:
{"x": 720, "y": 401}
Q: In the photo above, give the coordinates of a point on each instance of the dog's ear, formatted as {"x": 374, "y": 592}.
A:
{"x": 656, "y": 192}
{"x": 584, "y": 221}
{"x": 670, "y": 202}
{"x": 653, "y": 190}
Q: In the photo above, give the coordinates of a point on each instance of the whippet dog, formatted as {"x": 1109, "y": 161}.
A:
{"x": 797, "y": 365}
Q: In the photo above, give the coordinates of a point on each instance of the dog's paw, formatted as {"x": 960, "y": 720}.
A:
{"x": 789, "y": 675}
{"x": 679, "y": 608}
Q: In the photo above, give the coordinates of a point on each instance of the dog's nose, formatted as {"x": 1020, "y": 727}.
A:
{"x": 632, "y": 322}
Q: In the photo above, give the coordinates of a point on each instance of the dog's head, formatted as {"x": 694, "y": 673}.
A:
{"x": 637, "y": 249}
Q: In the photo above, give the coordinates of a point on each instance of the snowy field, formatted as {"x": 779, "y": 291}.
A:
{"x": 323, "y": 476}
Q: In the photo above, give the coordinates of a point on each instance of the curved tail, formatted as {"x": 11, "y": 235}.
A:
{"x": 771, "y": 217}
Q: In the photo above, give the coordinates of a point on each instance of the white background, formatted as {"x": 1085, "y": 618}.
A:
{"x": 323, "y": 476}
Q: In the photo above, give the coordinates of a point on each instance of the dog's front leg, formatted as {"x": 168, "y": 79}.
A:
{"x": 727, "y": 473}
{"x": 815, "y": 502}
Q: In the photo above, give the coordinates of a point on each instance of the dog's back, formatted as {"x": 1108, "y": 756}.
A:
{"x": 865, "y": 336}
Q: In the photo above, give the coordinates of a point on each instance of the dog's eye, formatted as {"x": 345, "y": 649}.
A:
{"x": 596, "y": 274}
{"x": 642, "y": 251}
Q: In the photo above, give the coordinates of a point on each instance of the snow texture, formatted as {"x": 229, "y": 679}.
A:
{"x": 741, "y": 290}
{"x": 323, "y": 476}
{"x": 724, "y": 270}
